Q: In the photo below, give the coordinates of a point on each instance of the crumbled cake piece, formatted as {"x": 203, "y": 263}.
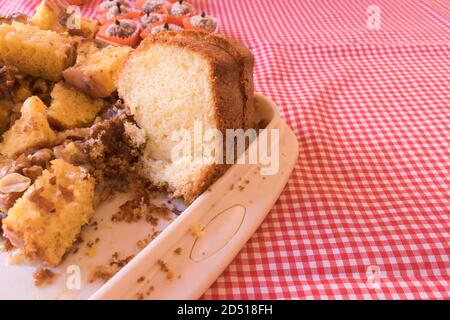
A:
{"x": 50, "y": 15}
{"x": 111, "y": 156}
{"x": 86, "y": 48}
{"x": 71, "y": 108}
{"x": 142, "y": 207}
{"x": 43, "y": 276}
{"x": 31, "y": 131}
{"x": 40, "y": 53}
{"x": 47, "y": 219}
{"x": 96, "y": 75}
{"x": 88, "y": 28}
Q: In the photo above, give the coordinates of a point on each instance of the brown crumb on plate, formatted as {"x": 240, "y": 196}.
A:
{"x": 104, "y": 273}
{"x": 197, "y": 230}
{"x": 164, "y": 268}
{"x": 43, "y": 276}
{"x": 140, "y": 296}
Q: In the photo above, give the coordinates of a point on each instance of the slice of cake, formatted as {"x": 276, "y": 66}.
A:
{"x": 96, "y": 75}
{"x": 71, "y": 108}
{"x": 178, "y": 81}
{"x": 31, "y": 131}
{"x": 47, "y": 219}
{"x": 40, "y": 53}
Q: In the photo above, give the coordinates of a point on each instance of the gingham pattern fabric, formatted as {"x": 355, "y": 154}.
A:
{"x": 366, "y": 211}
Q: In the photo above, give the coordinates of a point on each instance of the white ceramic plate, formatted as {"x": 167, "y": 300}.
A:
{"x": 228, "y": 217}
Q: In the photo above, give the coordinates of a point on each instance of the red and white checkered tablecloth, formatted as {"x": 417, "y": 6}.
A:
{"x": 367, "y": 92}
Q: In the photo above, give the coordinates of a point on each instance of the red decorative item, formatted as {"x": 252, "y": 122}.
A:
{"x": 132, "y": 40}
{"x": 178, "y": 20}
{"x": 188, "y": 25}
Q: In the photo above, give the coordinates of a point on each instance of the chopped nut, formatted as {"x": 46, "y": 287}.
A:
{"x": 14, "y": 182}
{"x": 32, "y": 172}
{"x": 42, "y": 157}
{"x": 7, "y": 200}
{"x": 71, "y": 153}
{"x": 21, "y": 162}
{"x": 40, "y": 87}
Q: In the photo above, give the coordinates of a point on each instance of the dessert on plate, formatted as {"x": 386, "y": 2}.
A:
{"x": 81, "y": 119}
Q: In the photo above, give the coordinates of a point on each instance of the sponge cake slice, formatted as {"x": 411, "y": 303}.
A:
{"x": 175, "y": 79}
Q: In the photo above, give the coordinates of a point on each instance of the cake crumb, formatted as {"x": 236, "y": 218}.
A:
{"x": 15, "y": 258}
{"x": 104, "y": 273}
{"x": 177, "y": 251}
{"x": 164, "y": 268}
{"x": 141, "y": 279}
{"x": 197, "y": 230}
{"x": 140, "y": 296}
{"x": 90, "y": 252}
{"x": 6, "y": 244}
{"x": 150, "y": 290}
{"x": 141, "y": 244}
{"x": 139, "y": 208}
{"x": 43, "y": 276}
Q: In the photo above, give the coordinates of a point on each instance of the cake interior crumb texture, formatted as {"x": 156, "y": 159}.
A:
{"x": 170, "y": 85}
